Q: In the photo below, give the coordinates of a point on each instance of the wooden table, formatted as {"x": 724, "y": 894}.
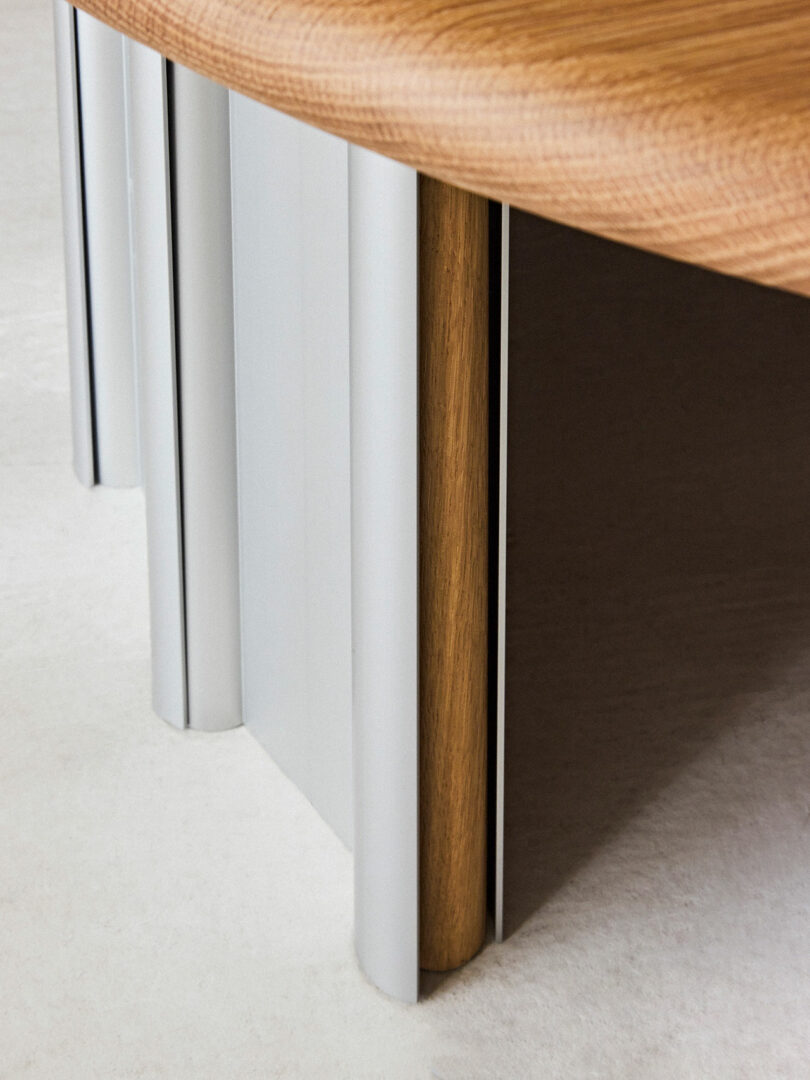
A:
{"x": 676, "y": 126}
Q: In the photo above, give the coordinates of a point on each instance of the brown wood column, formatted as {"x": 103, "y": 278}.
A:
{"x": 453, "y": 508}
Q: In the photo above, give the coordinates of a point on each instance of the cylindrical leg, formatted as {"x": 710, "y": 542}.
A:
{"x": 384, "y": 464}
{"x": 157, "y": 377}
{"x": 70, "y": 154}
{"x": 205, "y": 345}
{"x": 109, "y": 265}
{"x": 183, "y": 299}
{"x": 453, "y": 523}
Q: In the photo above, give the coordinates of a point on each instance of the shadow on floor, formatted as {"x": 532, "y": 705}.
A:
{"x": 659, "y": 531}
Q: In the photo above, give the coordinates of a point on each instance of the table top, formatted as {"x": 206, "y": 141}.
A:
{"x": 679, "y": 126}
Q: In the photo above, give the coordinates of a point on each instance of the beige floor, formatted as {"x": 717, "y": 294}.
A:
{"x": 171, "y": 907}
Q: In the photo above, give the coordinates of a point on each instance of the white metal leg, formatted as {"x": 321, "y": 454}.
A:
{"x": 291, "y": 271}
{"x": 102, "y": 101}
{"x": 204, "y": 327}
{"x": 184, "y": 316}
{"x": 81, "y": 389}
{"x": 158, "y": 403}
{"x": 324, "y": 259}
{"x": 384, "y": 455}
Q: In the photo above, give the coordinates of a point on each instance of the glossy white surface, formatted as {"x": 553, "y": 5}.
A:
{"x": 106, "y": 182}
{"x": 384, "y": 454}
{"x": 70, "y": 155}
{"x": 204, "y": 324}
{"x": 157, "y": 375}
{"x": 291, "y": 274}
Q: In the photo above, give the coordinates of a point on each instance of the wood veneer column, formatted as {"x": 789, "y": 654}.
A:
{"x": 453, "y": 501}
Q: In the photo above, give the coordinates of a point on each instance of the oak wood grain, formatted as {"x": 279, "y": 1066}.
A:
{"x": 681, "y": 126}
{"x": 453, "y": 444}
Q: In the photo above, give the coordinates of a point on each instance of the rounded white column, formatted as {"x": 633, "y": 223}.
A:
{"x": 205, "y": 352}
{"x": 384, "y": 460}
{"x": 70, "y": 157}
{"x": 105, "y": 168}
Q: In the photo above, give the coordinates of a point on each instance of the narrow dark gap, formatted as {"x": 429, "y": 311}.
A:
{"x": 178, "y": 382}
{"x": 495, "y": 220}
{"x": 88, "y": 305}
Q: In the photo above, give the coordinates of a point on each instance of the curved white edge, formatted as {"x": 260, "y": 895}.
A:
{"x": 102, "y": 103}
{"x": 500, "y": 730}
{"x": 81, "y": 386}
{"x": 204, "y": 334}
{"x": 157, "y": 384}
{"x": 384, "y": 463}
{"x": 291, "y": 309}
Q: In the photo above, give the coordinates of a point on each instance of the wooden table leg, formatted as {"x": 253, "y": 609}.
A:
{"x": 453, "y": 508}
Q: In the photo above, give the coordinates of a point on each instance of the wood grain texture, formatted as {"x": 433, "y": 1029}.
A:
{"x": 681, "y": 126}
{"x": 453, "y": 445}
